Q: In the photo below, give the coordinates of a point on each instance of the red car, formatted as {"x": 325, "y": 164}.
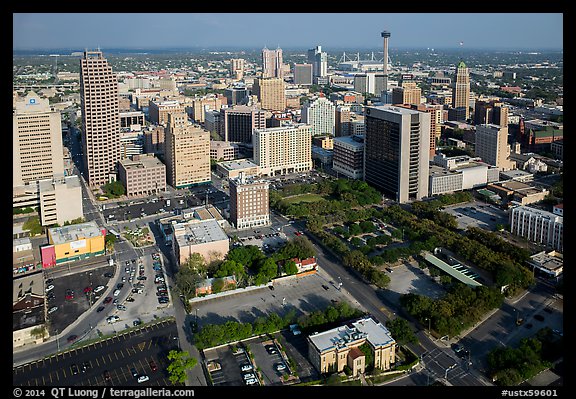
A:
{"x": 69, "y": 295}
{"x": 108, "y": 299}
{"x": 153, "y": 366}
{"x": 87, "y": 290}
{"x": 72, "y": 338}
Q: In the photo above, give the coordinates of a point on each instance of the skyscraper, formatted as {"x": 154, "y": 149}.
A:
{"x": 249, "y": 202}
{"x": 187, "y": 152}
{"x": 303, "y": 74}
{"x": 270, "y": 92}
{"x": 272, "y": 63}
{"x": 100, "y": 118}
{"x": 396, "y": 151}
{"x": 461, "y": 90}
{"x": 409, "y": 93}
{"x": 319, "y": 61}
{"x": 36, "y": 141}
{"x": 321, "y": 115}
{"x": 239, "y": 123}
{"x": 237, "y": 68}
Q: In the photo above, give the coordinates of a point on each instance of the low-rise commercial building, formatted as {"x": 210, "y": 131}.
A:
{"x": 204, "y": 237}
{"x": 349, "y": 156}
{"x": 233, "y": 169}
{"x": 74, "y": 242}
{"x": 223, "y": 150}
{"x": 158, "y": 110}
{"x": 522, "y": 193}
{"x": 331, "y": 350}
{"x": 60, "y": 200}
{"x": 550, "y": 263}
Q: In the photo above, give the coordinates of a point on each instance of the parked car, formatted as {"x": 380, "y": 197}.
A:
{"x": 143, "y": 378}
{"x": 49, "y": 288}
{"x": 99, "y": 288}
{"x": 136, "y": 322}
{"x": 252, "y": 381}
{"x": 130, "y": 299}
{"x": 120, "y": 286}
{"x": 246, "y": 367}
{"x": 112, "y": 319}
{"x": 69, "y": 295}
{"x": 100, "y": 308}
{"x": 116, "y": 293}
{"x": 106, "y": 375}
{"x": 72, "y": 338}
{"x": 107, "y": 300}
{"x": 88, "y": 289}
{"x": 280, "y": 367}
{"x": 74, "y": 369}
{"x": 120, "y": 307}
{"x": 153, "y": 365}
{"x": 134, "y": 372}
{"x": 52, "y": 309}
{"x": 248, "y": 376}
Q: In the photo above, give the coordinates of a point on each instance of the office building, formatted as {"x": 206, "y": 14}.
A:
{"x": 236, "y": 95}
{"x": 550, "y": 264}
{"x": 240, "y": 121}
{"x": 131, "y": 143}
{"x": 303, "y": 74}
{"x": 490, "y": 112}
{"x": 187, "y": 152}
{"x": 435, "y": 112}
{"x": 223, "y": 150}
{"x": 270, "y": 93}
{"x": 341, "y": 121}
{"x": 538, "y": 226}
{"x": 492, "y": 145}
{"x": 369, "y": 82}
{"x": 332, "y": 350}
{"x": 272, "y": 63}
{"x": 319, "y": 61}
{"x": 324, "y": 142}
{"x": 408, "y": 93}
{"x": 283, "y": 150}
{"x": 154, "y": 140}
{"x": 210, "y": 101}
{"x": 451, "y": 174}
{"x": 237, "y": 68}
{"x": 36, "y": 141}
{"x": 142, "y": 175}
{"x": 100, "y": 118}
{"x": 461, "y": 89}
{"x": 348, "y": 158}
{"x": 158, "y": 110}
{"x": 74, "y": 242}
{"x": 60, "y": 200}
{"x": 321, "y": 115}
{"x": 249, "y": 202}
{"x": 205, "y": 237}
{"x": 519, "y": 192}
{"x": 130, "y": 118}
{"x": 396, "y": 151}
{"x": 233, "y": 169}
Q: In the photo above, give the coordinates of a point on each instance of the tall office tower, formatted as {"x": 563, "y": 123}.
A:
{"x": 500, "y": 114}
{"x": 409, "y": 93}
{"x": 270, "y": 92}
{"x": 492, "y": 145}
{"x": 237, "y": 68}
{"x": 199, "y": 106}
{"x": 158, "y": 110}
{"x": 249, "y": 202}
{"x": 342, "y": 121}
{"x": 100, "y": 118}
{"x": 187, "y": 152}
{"x": 435, "y": 112}
{"x": 36, "y": 141}
{"x": 385, "y": 35}
{"x": 239, "y": 123}
{"x": 461, "y": 90}
{"x": 396, "y": 151}
{"x": 319, "y": 61}
{"x": 303, "y": 74}
{"x": 283, "y": 150}
{"x": 236, "y": 95}
{"x": 272, "y": 64}
{"x": 321, "y": 115}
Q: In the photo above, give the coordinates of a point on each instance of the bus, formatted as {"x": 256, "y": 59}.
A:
{"x": 116, "y": 234}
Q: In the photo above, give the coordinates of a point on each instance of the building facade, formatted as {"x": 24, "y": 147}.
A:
{"x": 321, "y": 115}
{"x": 154, "y": 140}
{"x": 240, "y": 121}
{"x": 283, "y": 150}
{"x": 348, "y": 156}
{"x": 396, "y": 151}
{"x": 461, "y": 89}
{"x": 408, "y": 93}
{"x": 204, "y": 237}
{"x": 158, "y": 110}
{"x": 538, "y": 226}
{"x": 187, "y": 152}
{"x": 36, "y": 141}
{"x": 249, "y": 202}
{"x": 237, "y": 68}
{"x": 331, "y": 350}
{"x": 100, "y": 118}
{"x": 272, "y": 63}
{"x": 60, "y": 200}
{"x": 74, "y": 242}
{"x": 492, "y": 145}
{"x": 303, "y": 74}
{"x": 142, "y": 175}
{"x": 319, "y": 61}
{"x": 270, "y": 93}
{"x": 223, "y": 150}
{"x": 127, "y": 119}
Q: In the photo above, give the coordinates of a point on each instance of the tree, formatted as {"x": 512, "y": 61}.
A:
{"x": 290, "y": 267}
{"x": 113, "y": 189}
{"x": 186, "y": 281}
{"x": 300, "y": 247}
{"x": 267, "y": 271}
{"x": 369, "y": 356}
{"x": 33, "y": 225}
{"x": 39, "y": 332}
{"x": 230, "y": 268}
{"x": 401, "y": 331}
{"x": 196, "y": 263}
{"x": 180, "y": 363}
{"x": 217, "y": 285}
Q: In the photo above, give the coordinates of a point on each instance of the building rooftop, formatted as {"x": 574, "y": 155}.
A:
{"x": 195, "y": 232}
{"x": 74, "y": 232}
{"x": 397, "y": 110}
{"x": 538, "y": 212}
{"x": 350, "y": 140}
{"x": 552, "y": 260}
{"x": 238, "y": 164}
{"x": 70, "y": 182}
{"x": 141, "y": 162}
{"x": 341, "y": 337}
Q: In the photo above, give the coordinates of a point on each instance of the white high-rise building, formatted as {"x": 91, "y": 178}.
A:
{"x": 321, "y": 115}
{"x": 319, "y": 61}
{"x": 283, "y": 150}
{"x": 538, "y": 226}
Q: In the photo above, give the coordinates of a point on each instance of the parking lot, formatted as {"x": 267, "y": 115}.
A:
{"x": 68, "y": 295}
{"x": 112, "y": 362}
{"x": 409, "y": 278}
{"x": 231, "y": 365}
{"x": 477, "y": 214}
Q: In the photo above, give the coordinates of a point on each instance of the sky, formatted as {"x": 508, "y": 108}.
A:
{"x": 509, "y": 31}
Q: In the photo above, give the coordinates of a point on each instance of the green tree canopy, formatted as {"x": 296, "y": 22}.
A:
{"x": 180, "y": 363}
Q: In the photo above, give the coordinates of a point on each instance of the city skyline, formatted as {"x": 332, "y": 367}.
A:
{"x": 37, "y": 31}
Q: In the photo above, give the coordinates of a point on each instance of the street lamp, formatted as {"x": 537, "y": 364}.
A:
{"x": 429, "y": 320}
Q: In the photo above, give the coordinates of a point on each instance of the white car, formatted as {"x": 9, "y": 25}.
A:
{"x": 99, "y": 288}
{"x": 49, "y": 288}
{"x": 252, "y": 381}
{"x": 116, "y": 293}
{"x": 52, "y": 309}
{"x": 143, "y": 378}
{"x": 246, "y": 367}
{"x": 112, "y": 319}
{"x": 120, "y": 307}
{"x": 249, "y": 376}
{"x": 280, "y": 367}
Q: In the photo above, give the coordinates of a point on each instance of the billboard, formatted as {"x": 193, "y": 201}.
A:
{"x": 78, "y": 244}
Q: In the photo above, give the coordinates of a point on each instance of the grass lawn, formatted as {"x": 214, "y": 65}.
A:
{"x": 295, "y": 199}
